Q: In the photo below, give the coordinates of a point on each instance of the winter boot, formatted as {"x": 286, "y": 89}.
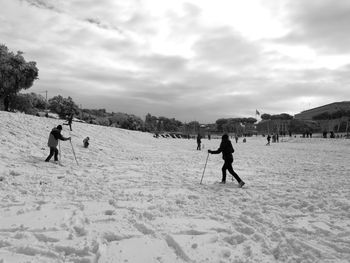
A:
{"x": 241, "y": 183}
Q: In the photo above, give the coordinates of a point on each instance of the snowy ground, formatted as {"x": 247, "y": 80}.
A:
{"x": 134, "y": 198}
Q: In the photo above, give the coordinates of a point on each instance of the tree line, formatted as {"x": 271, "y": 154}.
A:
{"x": 333, "y": 115}
{"x": 17, "y": 74}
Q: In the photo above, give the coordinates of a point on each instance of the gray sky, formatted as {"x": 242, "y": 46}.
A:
{"x": 190, "y": 60}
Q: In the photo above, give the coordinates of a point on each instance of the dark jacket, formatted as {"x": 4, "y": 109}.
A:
{"x": 226, "y": 149}
{"x": 54, "y": 136}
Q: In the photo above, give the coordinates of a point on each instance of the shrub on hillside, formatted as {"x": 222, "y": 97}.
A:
{"x": 63, "y": 106}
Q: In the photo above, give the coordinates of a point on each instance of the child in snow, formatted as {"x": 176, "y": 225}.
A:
{"x": 86, "y": 142}
{"x": 226, "y": 149}
{"x": 54, "y": 136}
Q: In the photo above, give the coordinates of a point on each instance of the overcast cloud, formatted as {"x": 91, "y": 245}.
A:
{"x": 190, "y": 60}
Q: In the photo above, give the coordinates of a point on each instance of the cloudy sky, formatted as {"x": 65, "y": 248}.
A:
{"x": 190, "y": 60}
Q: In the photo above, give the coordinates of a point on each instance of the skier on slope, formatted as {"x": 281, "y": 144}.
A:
{"x": 226, "y": 149}
{"x": 54, "y": 136}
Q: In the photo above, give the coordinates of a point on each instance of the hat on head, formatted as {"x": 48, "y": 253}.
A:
{"x": 224, "y": 137}
{"x": 59, "y": 127}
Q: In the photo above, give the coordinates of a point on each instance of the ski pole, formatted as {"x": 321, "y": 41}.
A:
{"x": 204, "y": 168}
{"x": 59, "y": 151}
{"x": 73, "y": 152}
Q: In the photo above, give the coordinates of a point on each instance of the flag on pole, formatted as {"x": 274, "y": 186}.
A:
{"x": 257, "y": 113}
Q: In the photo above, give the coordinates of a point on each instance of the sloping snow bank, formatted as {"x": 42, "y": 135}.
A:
{"x": 134, "y": 198}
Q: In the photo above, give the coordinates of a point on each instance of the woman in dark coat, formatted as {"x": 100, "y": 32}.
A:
{"x": 226, "y": 149}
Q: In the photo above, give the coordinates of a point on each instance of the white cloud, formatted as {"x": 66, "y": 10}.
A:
{"x": 213, "y": 59}
{"x": 322, "y": 25}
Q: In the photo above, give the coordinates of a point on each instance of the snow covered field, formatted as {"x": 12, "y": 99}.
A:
{"x": 134, "y": 198}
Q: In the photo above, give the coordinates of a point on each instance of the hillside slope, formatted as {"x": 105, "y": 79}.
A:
{"x": 134, "y": 198}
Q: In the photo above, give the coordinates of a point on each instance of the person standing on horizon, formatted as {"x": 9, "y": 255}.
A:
{"x": 268, "y": 139}
{"x": 226, "y": 149}
{"x": 199, "y": 137}
{"x": 54, "y": 136}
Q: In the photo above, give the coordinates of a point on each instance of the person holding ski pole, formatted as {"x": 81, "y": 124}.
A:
{"x": 54, "y": 136}
{"x": 226, "y": 149}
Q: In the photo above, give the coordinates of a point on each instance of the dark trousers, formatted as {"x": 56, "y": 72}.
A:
{"x": 53, "y": 151}
{"x": 198, "y": 145}
{"x": 228, "y": 166}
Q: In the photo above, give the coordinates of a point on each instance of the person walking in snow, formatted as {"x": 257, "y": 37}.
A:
{"x": 226, "y": 149}
{"x": 69, "y": 121}
{"x": 199, "y": 137}
{"x": 268, "y": 139}
{"x": 54, "y": 136}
